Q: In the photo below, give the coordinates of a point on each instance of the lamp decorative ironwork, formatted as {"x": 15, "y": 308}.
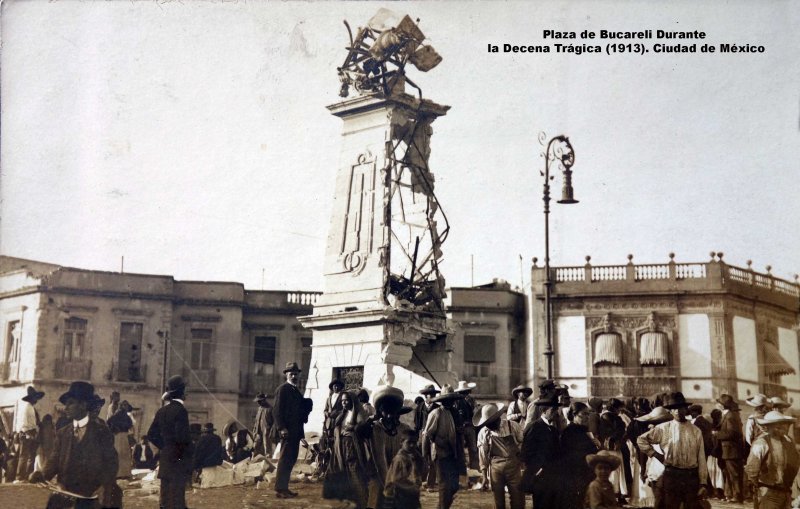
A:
{"x": 559, "y": 151}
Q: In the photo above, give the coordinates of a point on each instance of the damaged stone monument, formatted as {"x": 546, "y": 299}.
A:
{"x": 381, "y": 318}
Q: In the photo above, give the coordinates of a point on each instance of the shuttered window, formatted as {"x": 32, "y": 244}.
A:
{"x": 479, "y": 349}
{"x": 654, "y": 349}
{"x": 608, "y": 349}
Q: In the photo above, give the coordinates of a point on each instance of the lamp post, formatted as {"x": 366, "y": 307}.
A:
{"x": 558, "y": 150}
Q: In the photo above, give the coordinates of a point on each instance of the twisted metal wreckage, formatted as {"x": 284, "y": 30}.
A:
{"x": 375, "y": 65}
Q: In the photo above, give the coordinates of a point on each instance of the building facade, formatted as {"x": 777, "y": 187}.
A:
{"x": 700, "y": 328}
{"x": 127, "y": 332}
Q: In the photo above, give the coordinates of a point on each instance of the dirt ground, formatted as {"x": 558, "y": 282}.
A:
{"x": 26, "y": 496}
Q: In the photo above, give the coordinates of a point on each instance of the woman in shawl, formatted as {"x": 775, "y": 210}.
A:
{"x": 576, "y": 444}
{"x": 347, "y": 476}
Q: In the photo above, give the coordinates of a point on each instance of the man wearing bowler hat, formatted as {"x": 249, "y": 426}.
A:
{"x": 684, "y": 459}
{"x": 209, "y": 451}
{"x": 540, "y": 452}
{"x": 83, "y": 456}
{"x": 170, "y": 432}
{"x": 27, "y": 425}
{"x": 289, "y": 414}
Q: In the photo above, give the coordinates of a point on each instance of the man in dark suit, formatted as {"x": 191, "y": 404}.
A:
{"x": 732, "y": 439}
{"x": 540, "y": 453}
{"x": 289, "y": 414}
{"x": 209, "y": 451}
{"x": 170, "y": 433}
{"x": 83, "y": 455}
{"x": 143, "y": 455}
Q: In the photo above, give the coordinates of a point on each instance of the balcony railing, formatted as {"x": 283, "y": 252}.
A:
{"x": 302, "y": 298}
{"x": 74, "y": 370}
{"x": 715, "y": 271}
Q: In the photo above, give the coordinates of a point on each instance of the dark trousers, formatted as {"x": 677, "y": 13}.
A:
{"x": 447, "y": 469}
{"x": 290, "y": 448}
{"x": 733, "y": 485}
{"x": 680, "y": 486}
{"x": 173, "y": 493}
{"x": 58, "y": 501}
{"x": 471, "y": 441}
{"x": 27, "y": 455}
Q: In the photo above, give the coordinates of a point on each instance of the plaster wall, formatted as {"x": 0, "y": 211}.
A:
{"x": 744, "y": 340}
{"x": 695, "y": 346}
{"x": 787, "y": 344}
{"x": 571, "y": 353}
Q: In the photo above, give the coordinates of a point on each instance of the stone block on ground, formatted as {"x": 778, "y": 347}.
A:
{"x": 216, "y": 477}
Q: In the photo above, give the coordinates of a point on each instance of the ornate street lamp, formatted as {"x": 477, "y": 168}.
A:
{"x": 559, "y": 150}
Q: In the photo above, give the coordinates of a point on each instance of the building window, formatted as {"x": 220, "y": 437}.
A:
{"x": 653, "y": 349}
{"x": 477, "y": 369}
{"x": 201, "y": 348}
{"x": 608, "y": 349}
{"x": 352, "y": 376}
{"x": 479, "y": 349}
{"x": 13, "y": 336}
{"x": 74, "y": 339}
{"x": 130, "y": 352}
{"x": 264, "y": 355}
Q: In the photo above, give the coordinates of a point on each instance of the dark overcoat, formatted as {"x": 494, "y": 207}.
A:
{"x": 540, "y": 454}
{"x": 289, "y": 410}
{"x": 86, "y": 465}
{"x": 170, "y": 433}
{"x": 730, "y": 436}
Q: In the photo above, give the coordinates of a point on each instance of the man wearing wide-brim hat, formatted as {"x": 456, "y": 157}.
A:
{"x": 499, "y": 443}
{"x": 83, "y": 456}
{"x": 540, "y": 452}
{"x": 440, "y": 433}
{"x": 731, "y": 440}
{"x": 466, "y": 409}
{"x": 518, "y": 409}
{"x": 773, "y": 463}
{"x": 262, "y": 427}
{"x": 684, "y": 459}
{"x": 385, "y": 435}
{"x": 289, "y": 414}
{"x": 170, "y": 432}
{"x": 27, "y": 425}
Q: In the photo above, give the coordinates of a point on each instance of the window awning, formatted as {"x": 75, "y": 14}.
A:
{"x": 654, "y": 349}
{"x": 774, "y": 363}
{"x": 608, "y": 349}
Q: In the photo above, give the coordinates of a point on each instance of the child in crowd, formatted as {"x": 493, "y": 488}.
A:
{"x": 404, "y": 478}
{"x": 600, "y": 494}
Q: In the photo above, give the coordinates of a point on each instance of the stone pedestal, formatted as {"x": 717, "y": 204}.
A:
{"x": 360, "y": 321}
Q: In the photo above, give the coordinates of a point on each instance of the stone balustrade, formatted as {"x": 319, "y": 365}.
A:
{"x": 712, "y": 275}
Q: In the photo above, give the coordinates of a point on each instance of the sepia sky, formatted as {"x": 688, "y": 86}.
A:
{"x": 192, "y": 137}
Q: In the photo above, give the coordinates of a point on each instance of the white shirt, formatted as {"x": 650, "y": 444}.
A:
{"x": 682, "y": 443}
{"x": 25, "y": 418}
{"x": 80, "y": 426}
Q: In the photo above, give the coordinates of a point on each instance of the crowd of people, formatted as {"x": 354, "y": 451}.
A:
{"x": 660, "y": 452}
